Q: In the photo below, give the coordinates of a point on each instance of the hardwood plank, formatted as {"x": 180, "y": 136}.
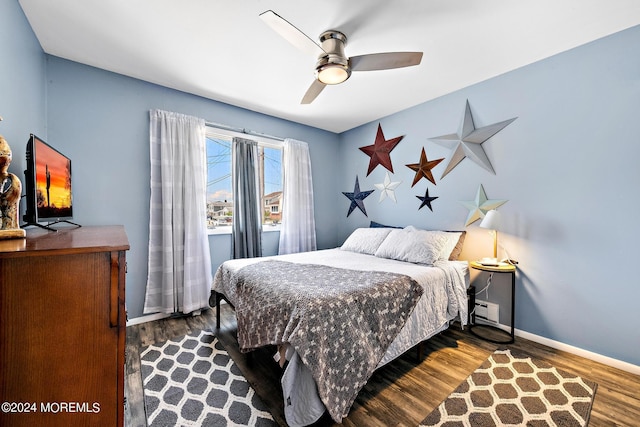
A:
{"x": 134, "y": 395}
{"x": 401, "y": 393}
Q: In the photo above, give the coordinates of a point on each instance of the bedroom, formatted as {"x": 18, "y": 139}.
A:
{"x": 567, "y": 165}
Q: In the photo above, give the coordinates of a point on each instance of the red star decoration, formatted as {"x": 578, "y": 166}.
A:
{"x": 423, "y": 169}
{"x": 380, "y": 151}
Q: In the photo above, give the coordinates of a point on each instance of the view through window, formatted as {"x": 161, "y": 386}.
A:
{"x": 219, "y": 189}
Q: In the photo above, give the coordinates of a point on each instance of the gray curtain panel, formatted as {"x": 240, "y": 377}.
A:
{"x": 247, "y": 223}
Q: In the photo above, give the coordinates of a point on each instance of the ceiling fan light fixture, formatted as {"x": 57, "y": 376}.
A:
{"x": 332, "y": 74}
{"x": 333, "y": 67}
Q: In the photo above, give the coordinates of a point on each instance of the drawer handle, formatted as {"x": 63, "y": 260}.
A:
{"x": 115, "y": 276}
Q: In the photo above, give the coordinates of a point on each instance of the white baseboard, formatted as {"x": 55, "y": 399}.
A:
{"x": 147, "y": 318}
{"x": 158, "y": 316}
{"x": 606, "y": 360}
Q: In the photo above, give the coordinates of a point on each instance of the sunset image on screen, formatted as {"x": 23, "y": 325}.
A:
{"x": 53, "y": 182}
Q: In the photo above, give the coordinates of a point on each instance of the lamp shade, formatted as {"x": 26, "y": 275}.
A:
{"x": 491, "y": 220}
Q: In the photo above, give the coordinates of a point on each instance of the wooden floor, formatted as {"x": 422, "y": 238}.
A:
{"x": 401, "y": 393}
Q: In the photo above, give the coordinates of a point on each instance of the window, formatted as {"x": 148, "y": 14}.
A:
{"x": 219, "y": 189}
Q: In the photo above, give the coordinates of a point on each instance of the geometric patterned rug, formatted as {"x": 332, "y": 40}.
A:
{"x": 510, "y": 389}
{"x": 192, "y": 381}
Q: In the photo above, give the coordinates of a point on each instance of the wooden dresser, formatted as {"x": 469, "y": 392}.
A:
{"x": 62, "y": 327}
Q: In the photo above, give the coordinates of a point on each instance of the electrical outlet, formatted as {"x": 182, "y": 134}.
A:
{"x": 487, "y": 311}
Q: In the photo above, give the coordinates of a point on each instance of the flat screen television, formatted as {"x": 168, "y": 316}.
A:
{"x": 49, "y": 198}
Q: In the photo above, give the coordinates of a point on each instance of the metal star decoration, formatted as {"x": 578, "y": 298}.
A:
{"x": 380, "y": 151}
{"x": 357, "y": 198}
{"x": 423, "y": 169}
{"x": 387, "y": 188}
{"x": 468, "y": 142}
{"x": 480, "y": 206}
{"x": 426, "y": 200}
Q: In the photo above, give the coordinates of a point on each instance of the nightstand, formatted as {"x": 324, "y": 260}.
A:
{"x": 502, "y": 268}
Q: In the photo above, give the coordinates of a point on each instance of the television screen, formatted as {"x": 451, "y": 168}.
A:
{"x": 48, "y": 179}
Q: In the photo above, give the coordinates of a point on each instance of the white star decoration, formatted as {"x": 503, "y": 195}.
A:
{"x": 387, "y": 188}
{"x": 468, "y": 142}
{"x": 480, "y": 206}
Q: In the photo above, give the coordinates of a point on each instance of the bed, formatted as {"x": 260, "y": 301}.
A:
{"x": 338, "y": 314}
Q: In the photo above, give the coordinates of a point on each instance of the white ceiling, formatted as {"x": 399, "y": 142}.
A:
{"x": 221, "y": 50}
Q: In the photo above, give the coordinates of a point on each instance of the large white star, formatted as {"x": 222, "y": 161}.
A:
{"x": 387, "y": 188}
{"x": 480, "y": 206}
{"x": 468, "y": 142}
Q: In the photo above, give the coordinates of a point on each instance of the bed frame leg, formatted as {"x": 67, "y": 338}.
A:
{"x": 218, "y": 298}
{"x": 420, "y": 351}
{"x": 214, "y": 301}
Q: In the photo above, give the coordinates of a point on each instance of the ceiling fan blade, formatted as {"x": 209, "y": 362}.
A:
{"x": 384, "y": 61}
{"x": 291, "y": 33}
{"x": 314, "y": 90}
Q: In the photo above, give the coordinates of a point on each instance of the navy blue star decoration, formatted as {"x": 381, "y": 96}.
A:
{"x": 357, "y": 198}
{"x": 426, "y": 200}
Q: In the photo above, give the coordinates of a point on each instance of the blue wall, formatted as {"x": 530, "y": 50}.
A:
{"x": 22, "y": 83}
{"x": 567, "y": 165}
{"x": 569, "y": 168}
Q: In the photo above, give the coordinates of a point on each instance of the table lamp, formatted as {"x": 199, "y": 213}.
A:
{"x": 491, "y": 221}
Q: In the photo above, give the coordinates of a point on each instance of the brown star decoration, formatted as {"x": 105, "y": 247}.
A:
{"x": 423, "y": 169}
{"x": 380, "y": 151}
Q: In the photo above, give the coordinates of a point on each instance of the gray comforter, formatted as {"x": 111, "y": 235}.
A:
{"x": 339, "y": 321}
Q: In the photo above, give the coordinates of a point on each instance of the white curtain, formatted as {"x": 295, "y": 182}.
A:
{"x": 179, "y": 274}
{"x": 298, "y": 230}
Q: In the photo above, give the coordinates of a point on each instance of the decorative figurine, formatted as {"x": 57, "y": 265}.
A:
{"x": 10, "y": 191}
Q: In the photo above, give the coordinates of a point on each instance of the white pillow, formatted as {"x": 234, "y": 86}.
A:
{"x": 413, "y": 245}
{"x": 365, "y": 240}
{"x": 450, "y": 240}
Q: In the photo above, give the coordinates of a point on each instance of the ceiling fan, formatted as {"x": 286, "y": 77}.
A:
{"x": 333, "y": 66}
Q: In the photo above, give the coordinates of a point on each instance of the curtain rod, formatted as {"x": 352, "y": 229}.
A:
{"x": 242, "y": 130}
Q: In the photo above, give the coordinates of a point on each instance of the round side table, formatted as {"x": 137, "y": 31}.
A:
{"x": 502, "y": 268}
